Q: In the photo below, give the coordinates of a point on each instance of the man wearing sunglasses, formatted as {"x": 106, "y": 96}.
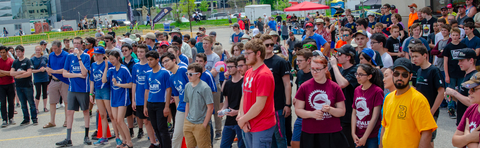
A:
{"x": 407, "y": 120}
{"x": 318, "y": 38}
{"x": 110, "y": 45}
{"x": 466, "y": 60}
{"x": 413, "y": 14}
{"x": 444, "y": 12}
{"x": 89, "y": 44}
{"x": 346, "y": 79}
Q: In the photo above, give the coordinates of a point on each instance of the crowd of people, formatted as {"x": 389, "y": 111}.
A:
{"x": 360, "y": 82}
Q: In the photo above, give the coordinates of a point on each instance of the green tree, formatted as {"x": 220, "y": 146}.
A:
{"x": 282, "y": 4}
{"x": 187, "y": 7}
{"x": 238, "y": 4}
{"x": 203, "y": 6}
{"x": 176, "y": 13}
{"x": 270, "y": 2}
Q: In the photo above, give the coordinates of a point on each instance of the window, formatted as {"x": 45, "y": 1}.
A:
{"x": 18, "y": 26}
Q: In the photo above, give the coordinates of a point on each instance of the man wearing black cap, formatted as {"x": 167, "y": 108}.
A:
{"x": 466, "y": 61}
{"x": 43, "y": 44}
{"x": 407, "y": 121}
{"x": 186, "y": 50}
{"x": 346, "y": 79}
{"x": 444, "y": 12}
{"x": 362, "y": 39}
{"x": 461, "y": 15}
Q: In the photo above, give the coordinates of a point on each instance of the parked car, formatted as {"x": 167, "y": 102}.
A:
{"x": 242, "y": 14}
{"x": 56, "y": 30}
{"x": 277, "y": 12}
{"x": 66, "y": 28}
{"x": 218, "y": 16}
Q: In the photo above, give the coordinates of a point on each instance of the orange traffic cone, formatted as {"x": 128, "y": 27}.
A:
{"x": 99, "y": 131}
{"x": 184, "y": 144}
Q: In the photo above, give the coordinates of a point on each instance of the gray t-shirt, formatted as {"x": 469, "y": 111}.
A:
{"x": 198, "y": 98}
{"x": 211, "y": 60}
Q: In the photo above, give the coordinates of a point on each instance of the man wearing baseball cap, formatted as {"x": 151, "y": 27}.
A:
{"x": 462, "y": 15}
{"x": 413, "y": 14}
{"x": 150, "y": 40}
{"x": 444, "y": 12}
{"x": 466, "y": 61}
{"x": 361, "y": 38}
{"x": 450, "y": 10}
{"x": 318, "y": 39}
{"x": 407, "y": 120}
{"x": 322, "y": 30}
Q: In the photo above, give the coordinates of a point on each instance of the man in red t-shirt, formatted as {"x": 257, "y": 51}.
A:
{"x": 7, "y": 91}
{"x": 257, "y": 113}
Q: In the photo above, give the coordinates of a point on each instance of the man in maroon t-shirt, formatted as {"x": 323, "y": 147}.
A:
{"x": 7, "y": 91}
{"x": 257, "y": 113}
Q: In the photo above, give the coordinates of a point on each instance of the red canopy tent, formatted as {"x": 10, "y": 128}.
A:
{"x": 304, "y": 6}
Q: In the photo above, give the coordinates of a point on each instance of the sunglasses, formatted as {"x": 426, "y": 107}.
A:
{"x": 191, "y": 74}
{"x": 404, "y": 75}
{"x": 268, "y": 45}
{"x": 474, "y": 89}
{"x": 307, "y": 46}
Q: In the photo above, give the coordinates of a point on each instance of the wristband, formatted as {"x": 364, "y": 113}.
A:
{"x": 288, "y": 105}
{"x": 91, "y": 94}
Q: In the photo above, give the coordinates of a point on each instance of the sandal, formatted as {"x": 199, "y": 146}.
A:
{"x": 65, "y": 124}
{"x": 49, "y": 125}
{"x": 15, "y": 112}
{"x": 126, "y": 145}
{"x": 45, "y": 110}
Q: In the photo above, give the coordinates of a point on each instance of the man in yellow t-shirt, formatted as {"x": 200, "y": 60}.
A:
{"x": 407, "y": 120}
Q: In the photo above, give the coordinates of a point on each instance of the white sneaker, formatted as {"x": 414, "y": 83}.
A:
{"x": 63, "y": 105}
{"x": 58, "y": 106}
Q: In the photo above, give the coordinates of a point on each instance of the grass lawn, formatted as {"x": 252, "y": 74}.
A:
{"x": 195, "y": 25}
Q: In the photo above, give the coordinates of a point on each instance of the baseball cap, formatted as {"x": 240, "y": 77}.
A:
{"x": 134, "y": 37}
{"x": 444, "y": 7}
{"x": 360, "y": 32}
{"x": 309, "y": 24}
{"x": 414, "y": 42}
{"x": 347, "y": 48}
{"x": 127, "y": 41}
{"x": 164, "y": 43}
{"x": 449, "y": 6}
{"x": 319, "y": 21}
{"x": 99, "y": 50}
{"x": 43, "y": 42}
{"x": 465, "y": 53}
{"x": 461, "y": 6}
{"x": 413, "y": 5}
{"x": 404, "y": 63}
{"x": 150, "y": 36}
{"x": 392, "y": 7}
{"x": 176, "y": 30}
{"x": 317, "y": 53}
{"x": 473, "y": 82}
{"x": 101, "y": 43}
{"x": 213, "y": 33}
{"x": 126, "y": 34}
{"x": 246, "y": 36}
{"x": 371, "y": 54}
{"x": 272, "y": 33}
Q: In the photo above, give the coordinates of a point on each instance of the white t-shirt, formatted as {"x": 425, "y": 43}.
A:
{"x": 387, "y": 60}
{"x": 438, "y": 37}
{"x": 255, "y": 31}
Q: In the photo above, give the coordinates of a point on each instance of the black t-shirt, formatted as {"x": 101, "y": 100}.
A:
{"x": 234, "y": 93}
{"x": 260, "y": 25}
{"x": 112, "y": 33}
{"x": 279, "y": 18}
{"x": 415, "y": 68}
{"x": 393, "y": 45}
{"x": 427, "y": 27}
{"x": 428, "y": 82}
{"x": 279, "y": 68}
{"x": 65, "y": 49}
{"x": 454, "y": 70}
{"x": 24, "y": 65}
{"x": 302, "y": 77}
{"x": 461, "y": 108}
{"x": 349, "y": 74}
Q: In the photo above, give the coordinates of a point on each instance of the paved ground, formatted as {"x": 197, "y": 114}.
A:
{"x": 36, "y": 136}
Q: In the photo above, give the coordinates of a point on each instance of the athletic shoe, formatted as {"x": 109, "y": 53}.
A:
{"x": 218, "y": 136}
{"x": 118, "y": 141}
{"x": 58, "y": 106}
{"x": 5, "y": 124}
{"x": 152, "y": 146}
{"x": 64, "y": 143}
{"x": 24, "y": 122}
{"x": 101, "y": 141}
{"x": 95, "y": 134}
{"x": 451, "y": 113}
{"x": 11, "y": 122}
{"x": 140, "y": 134}
{"x": 35, "y": 122}
{"x": 87, "y": 141}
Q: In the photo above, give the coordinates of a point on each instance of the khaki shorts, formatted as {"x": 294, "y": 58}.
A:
{"x": 196, "y": 135}
{"x": 57, "y": 90}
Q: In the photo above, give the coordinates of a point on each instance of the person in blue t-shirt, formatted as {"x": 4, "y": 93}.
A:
{"x": 206, "y": 74}
{"x": 351, "y": 23}
{"x": 385, "y": 18}
{"x": 157, "y": 100}
{"x": 318, "y": 39}
{"x": 76, "y": 70}
{"x": 177, "y": 42}
{"x": 40, "y": 77}
{"x": 177, "y": 81}
{"x": 272, "y": 24}
{"x": 236, "y": 36}
{"x": 199, "y": 44}
{"x": 129, "y": 61}
{"x": 101, "y": 91}
{"x": 138, "y": 90}
{"x": 120, "y": 81}
{"x": 174, "y": 50}
{"x": 471, "y": 40}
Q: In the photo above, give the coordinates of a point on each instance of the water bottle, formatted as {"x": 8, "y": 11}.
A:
{"x": 223, "y": 112}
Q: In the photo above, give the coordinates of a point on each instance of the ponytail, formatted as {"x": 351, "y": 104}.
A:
{"x": 376, "y": 75}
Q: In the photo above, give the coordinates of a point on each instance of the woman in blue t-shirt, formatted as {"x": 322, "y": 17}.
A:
{"x": 101, "y": 91}
{"x": 40, "y": 77}
{"x": 120, "y": 81}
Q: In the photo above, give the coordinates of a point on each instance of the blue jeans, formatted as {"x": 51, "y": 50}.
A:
{"x": 454, "y": 83}
{"x": 371, "y": 143}
{"x": 279, "y": 137}
{"x": 228, "y": 135}
{"x": 25, "y": 95}
{"x": 261, "y": 139}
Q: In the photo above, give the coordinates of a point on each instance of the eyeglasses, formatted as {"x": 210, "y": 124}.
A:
{"x": 360, "y": 74}
{"x": 240, "y": 66}
{"x": 217, "y": 44}
{"x": 271, "y": 44}
{"x": 404, "y": 75}
{"x": 76, "y": 43}
{"x": 87, "y": 43}
{"x": 165, "y": 61}
{"x": 191, "y": 74}
{"x": 317, "y": 70}
{"x": 300, "y": 61}
{"x": 318, "y": 24}
{"x": 307, "y": 46}
{"x": 174, "y": 43}
{"x": 371, "y": 43}
{"x": 230, "y": 67}
{"x": 247, "y": 53}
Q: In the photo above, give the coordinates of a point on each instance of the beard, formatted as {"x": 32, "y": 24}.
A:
{"x": 252, "y": 62}
{"x": 401, "y": 86}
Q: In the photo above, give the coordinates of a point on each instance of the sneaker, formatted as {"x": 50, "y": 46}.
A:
{"x": 451, "y": 113}
{"x": 35, "y": 122}
{"x": 118, "y": 141}
{"x": 132, "y": 134}
{"x": 95, "y": 134}
{"x": 24, "y": 122}
{"x": 218, "y": 136}
{"x": 87, "y": 141}
{"x": 64, "y": 143}
{"x": 152, "y": 146}
{"x": 5, "y": 124}
{"x": 63, "y": 105}
{"x": 140, "y": 134}
{"x": 58, "y": 106}
{"x": 101, "y": 141}
{"x": 11, "y": 122}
